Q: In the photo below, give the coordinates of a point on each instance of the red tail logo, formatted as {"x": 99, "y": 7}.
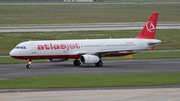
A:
{"x": 150, "y": 26}
{"x": 149, "y": 29}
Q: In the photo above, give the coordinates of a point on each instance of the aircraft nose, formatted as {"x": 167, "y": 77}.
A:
{"x": 12, "y": 53}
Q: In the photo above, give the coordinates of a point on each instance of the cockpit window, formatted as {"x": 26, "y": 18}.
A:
{"x": 20, "y": 47}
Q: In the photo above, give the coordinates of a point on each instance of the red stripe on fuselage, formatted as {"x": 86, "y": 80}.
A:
{"x": 73, "y": 56}
{"x": 118, "y": 54}
{"x": 47, "y": 57}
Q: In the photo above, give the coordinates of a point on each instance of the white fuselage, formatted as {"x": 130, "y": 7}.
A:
{"x": 73, "y": 48}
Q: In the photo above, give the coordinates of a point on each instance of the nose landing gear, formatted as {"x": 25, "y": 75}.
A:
{"x": 29, "y": 64}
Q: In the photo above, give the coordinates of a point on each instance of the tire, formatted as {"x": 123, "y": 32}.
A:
{"x": 99, "y": 64}
{"x": 76, "y": 63}
{"x": 28, "y": 66}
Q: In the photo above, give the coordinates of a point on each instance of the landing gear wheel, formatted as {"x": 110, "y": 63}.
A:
{"x": 76, "y": 62}
{"x": 28, "y": 66}
{"x": 29, "y": 63}
{"x": 99, "y": 64}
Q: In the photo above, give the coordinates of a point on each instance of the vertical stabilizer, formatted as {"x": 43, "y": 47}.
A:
{"x": 149, "y": 29}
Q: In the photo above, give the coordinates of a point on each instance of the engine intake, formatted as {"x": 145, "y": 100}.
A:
{"x": 89, "y": 59}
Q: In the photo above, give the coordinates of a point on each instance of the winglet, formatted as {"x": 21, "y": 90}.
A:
{"x": 149, "y": 29}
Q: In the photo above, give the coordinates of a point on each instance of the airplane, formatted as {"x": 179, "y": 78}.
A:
{"x": 88, "y": 51}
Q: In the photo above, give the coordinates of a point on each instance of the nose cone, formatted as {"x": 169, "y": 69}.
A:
{"x": 12, "y": 53}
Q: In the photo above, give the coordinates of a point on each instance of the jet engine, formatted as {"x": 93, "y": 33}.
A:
{"x": 89, "y": 59}
{"x": 58, "y": 60}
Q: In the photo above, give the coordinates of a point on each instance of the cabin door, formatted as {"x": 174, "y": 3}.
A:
{"x": 33, "y": 46}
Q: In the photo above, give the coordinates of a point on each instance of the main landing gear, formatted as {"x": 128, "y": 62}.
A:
{"x": 29, "y": 64}
{"x": 76, "y": 62}
{"x": 99, "y": 64}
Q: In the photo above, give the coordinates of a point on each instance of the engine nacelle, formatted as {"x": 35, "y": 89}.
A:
{"x": 89, "y": 59}
{"x": 58, "y": 60}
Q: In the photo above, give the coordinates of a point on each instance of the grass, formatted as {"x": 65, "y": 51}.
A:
{"x": 142, "y": 55}
{"x": 9, "y": 40}
{"x": 91, "y": 80}
{"x": 60, "y": 13}
{"x": 140, "y": 1}
{"x": 148, "y": 55}
{"x": 110, "y": 1}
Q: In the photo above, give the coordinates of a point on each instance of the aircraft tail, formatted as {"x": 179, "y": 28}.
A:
{"x": 149, "y": 29}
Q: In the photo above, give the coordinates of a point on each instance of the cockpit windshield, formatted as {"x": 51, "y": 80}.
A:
{"x": 20, "y": 47}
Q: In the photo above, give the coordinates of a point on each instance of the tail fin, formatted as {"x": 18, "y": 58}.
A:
{"x": 149, "y": 29}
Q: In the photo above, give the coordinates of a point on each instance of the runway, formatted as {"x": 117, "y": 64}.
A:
{"x": 119, "y": 67}
{"x": 165, "y": 94}
{"x": 83, "y": 28}
{"x": 150, "y": 93}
